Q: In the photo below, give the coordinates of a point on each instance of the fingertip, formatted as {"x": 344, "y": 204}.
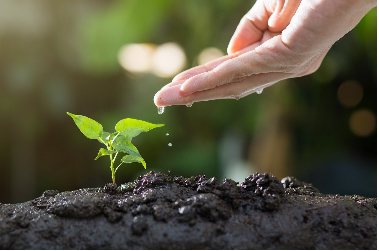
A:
{"x": 157, "y": 99}
{"x": 186, "y": 89}
{"x": 183, "y": 90}
{"x": 177, "y": 77}
{"x": 168, "y": 96}
{"x": 234, "y": 45}
{"x": 230, "y": 50}
{"x": 161, "y": 98}
{"x": 271, "y": 22}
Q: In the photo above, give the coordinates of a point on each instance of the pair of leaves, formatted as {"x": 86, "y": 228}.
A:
{"x": 120, "y": 141}
{"x": 128, "y": 128}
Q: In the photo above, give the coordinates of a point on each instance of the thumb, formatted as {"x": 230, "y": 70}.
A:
{"x": 250, "y": 29}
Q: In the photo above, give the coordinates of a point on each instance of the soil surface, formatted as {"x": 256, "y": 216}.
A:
{"x": 157, "y": 211}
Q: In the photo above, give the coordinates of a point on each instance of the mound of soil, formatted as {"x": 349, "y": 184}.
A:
{"x": 157, "y": 211}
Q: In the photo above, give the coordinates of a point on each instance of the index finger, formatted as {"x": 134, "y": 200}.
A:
{"x": 181, "y": 77}
{"x": 201, "y": 68}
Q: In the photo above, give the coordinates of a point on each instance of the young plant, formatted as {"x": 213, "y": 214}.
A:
{"x": 119, "y": 142}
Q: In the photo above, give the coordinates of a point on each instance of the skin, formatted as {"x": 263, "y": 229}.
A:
{"x": 275, "y": 40}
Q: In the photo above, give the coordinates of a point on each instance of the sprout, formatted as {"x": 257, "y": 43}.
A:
{"x": 118, "y": 142}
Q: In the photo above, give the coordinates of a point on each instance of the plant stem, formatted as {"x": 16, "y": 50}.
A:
{"x": 118, "y": 167}
{"x": 115, "y": 156}
{"x": 112, "y": 169}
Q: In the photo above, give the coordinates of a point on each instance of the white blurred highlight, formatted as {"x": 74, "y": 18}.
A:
{"x": 209, "y": 54}
{"x": 136, "y": 58}
{"x": 168, "y": 60}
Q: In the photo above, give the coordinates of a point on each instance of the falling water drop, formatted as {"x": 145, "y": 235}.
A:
{"x": 167, "y": 134}
{"x": 260, "y": 91}
{"x": 160, "y": 109}
{"x": 189, "y": 104}
{"x": 169, "y": 144}
{"x": 169, "y": 171}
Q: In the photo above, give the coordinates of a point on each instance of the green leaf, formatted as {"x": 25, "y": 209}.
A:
{"x": 89, "y": 127}
{"x": 104, "y": 152}
{"x": 133, "y": 158}
{"x": 133, "y": 127}
{"x": 122, "y": 144}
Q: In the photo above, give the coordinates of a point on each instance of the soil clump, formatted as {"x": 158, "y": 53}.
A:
{"x": 158, "y": 211}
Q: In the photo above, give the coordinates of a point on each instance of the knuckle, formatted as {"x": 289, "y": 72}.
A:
{"x": 238, "y": 77}
{"x": 287, "y": 68}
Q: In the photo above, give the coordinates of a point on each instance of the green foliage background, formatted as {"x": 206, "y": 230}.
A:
{"x": 58, "y": 56}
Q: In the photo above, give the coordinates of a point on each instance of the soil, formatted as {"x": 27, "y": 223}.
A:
{"x": 157, "y": 211}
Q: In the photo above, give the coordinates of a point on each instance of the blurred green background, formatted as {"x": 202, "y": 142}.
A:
{"x": 107, "y": 59}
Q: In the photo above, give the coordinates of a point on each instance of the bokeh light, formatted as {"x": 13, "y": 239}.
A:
{"x": 209, "y": 54}
{"x": 362, "y": 122}
{"x": 168, "y": 60}
{"x": 136, "y": 58}
{"x": 350, "y": 93}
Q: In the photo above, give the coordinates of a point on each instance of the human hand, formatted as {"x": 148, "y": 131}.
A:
{"x": 275, "y": 40}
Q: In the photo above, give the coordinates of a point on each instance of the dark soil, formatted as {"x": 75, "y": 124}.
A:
{"x": 158, "y": 211}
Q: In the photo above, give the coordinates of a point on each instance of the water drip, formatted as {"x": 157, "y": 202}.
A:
{"x": 160, "y": 109}
{"x": 260, "y": 91}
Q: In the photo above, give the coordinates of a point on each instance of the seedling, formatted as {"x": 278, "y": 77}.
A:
{"x": 119, "y": 142}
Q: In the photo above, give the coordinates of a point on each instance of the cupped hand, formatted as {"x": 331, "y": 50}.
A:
{"x": 275, "y": 40}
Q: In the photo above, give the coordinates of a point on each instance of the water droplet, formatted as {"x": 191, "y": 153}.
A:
{"x": 237, "y": 97}
{"x": 169, "y": 144}
{"x": 160, "y": 109}
{"x": 167, "y": 134}
{"x": 260, "y": 91}
{"x": 169, "y": 171}
{"x": 189, "y": 104}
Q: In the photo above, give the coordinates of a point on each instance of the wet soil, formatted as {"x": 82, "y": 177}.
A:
{"x": 157, "y": 211}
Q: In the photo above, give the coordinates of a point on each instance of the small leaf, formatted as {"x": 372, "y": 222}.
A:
{"x": 89, "y": 127}
{"x": 133, "y": 158}
{"x": 122, "y": 144}
{"x": 133, "y": 127}
{"x": 104, "y": 137}
{"x": 104, "y": 152}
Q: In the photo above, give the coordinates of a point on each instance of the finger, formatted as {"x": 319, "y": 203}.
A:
{"x": 171, "y": 96}
{"x": 173, "y": 83}
{"x": 282, "y": 15}
{"x": 201, "y": 68}
{"x": 250, "y": 29}
{"x": 233, "y": 70}
{"x": 181, "y": 77}
{"x": 211, "y": 65}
